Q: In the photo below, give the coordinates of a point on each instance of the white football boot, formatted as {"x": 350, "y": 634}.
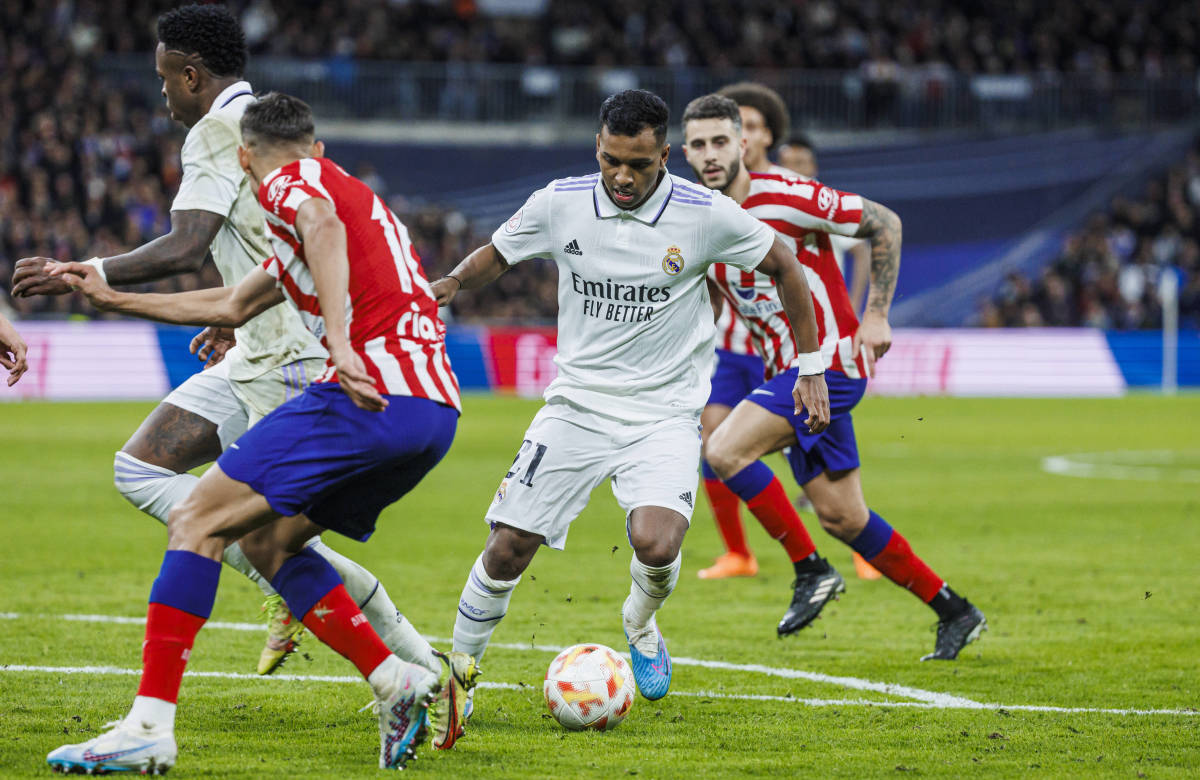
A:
{"x": 126, "y": 748}
{"x": 403, "y": 712}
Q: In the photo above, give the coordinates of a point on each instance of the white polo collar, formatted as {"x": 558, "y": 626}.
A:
{"x": 648, "y": 212}
{"x": 230, "y": 94}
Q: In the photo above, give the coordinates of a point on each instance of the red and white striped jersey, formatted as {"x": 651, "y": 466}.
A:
{"x": 732, "y": 334}
{"x": 803, "y": 213}
{"x": 391, "y": 314}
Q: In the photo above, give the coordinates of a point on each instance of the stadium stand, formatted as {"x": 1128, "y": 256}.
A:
{"x": 1107, "y": 274}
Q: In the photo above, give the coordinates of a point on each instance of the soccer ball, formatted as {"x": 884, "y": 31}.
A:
{"x": 589, "y": 687}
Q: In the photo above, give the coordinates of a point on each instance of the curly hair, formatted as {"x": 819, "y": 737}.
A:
{"x": 631, "y": 111}
{"x": 767, "y": 102}
{"x": 210, "y": 31}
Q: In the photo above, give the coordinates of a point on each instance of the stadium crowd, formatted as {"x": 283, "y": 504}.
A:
{"x": 1151, "y": 37}
{"x": 88, "y": 169}
{"x": 1108, "y": 273}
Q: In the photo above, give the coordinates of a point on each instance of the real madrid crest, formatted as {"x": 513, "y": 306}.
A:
{"x": 501, "y": 492}
{"x": 673, "y": 262}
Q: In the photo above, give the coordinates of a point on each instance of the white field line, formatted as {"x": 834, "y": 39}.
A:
{"x": 853, "y": 683}
{"x": 1121, "y": 464}
{"x": 940, "y": 705}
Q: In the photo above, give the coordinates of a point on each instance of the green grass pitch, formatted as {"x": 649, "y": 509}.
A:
{"x": 1090, "y": 584}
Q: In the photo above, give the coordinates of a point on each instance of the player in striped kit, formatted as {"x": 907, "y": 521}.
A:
{"x": 826, "y": 464}
{"x": 200, "y": 58}
{"x": 739, "y": 367}
{"x": 382, "y": 414}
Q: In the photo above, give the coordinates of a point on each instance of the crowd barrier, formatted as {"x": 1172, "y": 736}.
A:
{"x": 99, "y": 360}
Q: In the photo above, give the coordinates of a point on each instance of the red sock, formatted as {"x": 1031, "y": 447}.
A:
{"x": 776, "y": 513}
{"x": 901, "y": 565}
{"x": 724, "y": 503}
{"x": 338, "y": 622}
{"x": 170, "y": 633}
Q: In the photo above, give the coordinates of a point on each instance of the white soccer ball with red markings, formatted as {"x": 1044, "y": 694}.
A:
{"x": 589, "y": 687}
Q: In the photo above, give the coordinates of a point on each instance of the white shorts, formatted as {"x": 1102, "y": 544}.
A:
{"x": 568, "y": 451}
{"x": 233, "y": 405}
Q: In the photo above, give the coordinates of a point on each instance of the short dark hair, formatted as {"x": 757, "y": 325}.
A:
{"x": 766, "y": 101}
{"x": 211, "y": 32}
{"x": 277, "y": 118}
{"x": 632, "y": 111}
{"x": 801, "y": 140}
{"x": 713, "y": 107}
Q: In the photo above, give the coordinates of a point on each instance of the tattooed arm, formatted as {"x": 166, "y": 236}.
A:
{"x": 882, "y": 226}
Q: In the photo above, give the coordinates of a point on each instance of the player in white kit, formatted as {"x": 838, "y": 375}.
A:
{"x": 632, "y": 244}
{"x": 200, "y": 59}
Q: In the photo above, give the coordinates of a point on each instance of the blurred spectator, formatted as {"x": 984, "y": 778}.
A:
{"x": 1107, "y": 275}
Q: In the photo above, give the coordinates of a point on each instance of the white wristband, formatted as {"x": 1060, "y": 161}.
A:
{"x": 809, "y": 363}
{"x": 98, "y": 264}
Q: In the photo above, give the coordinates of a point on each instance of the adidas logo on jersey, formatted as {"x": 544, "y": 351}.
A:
{"x": 686, "y": 497}
{"x": 573, "y": 248}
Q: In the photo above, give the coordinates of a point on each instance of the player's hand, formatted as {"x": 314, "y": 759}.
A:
{"x": 355, "y": 381}
{"x": 12, "y": 352}
{"x": 211, "y": 344}
{"x": 445, "y": 289}
{"x": 811, "y": 393}
{"x": 874, "y": 338}
{"x": 84, "y": 278}
{"x": 31, "y": 278}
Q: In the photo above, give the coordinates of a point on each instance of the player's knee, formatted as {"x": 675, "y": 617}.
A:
{"x": 508, "y": 552}
{"x": 653, "y": 550}
{"x": 723, "y": 461}
{"x": 839, "y": 521}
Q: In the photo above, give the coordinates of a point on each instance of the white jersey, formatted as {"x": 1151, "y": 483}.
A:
{"x": 214, "y": 181}
{"x": 635, "y": 332}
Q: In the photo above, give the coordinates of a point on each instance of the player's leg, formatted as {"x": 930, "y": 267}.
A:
{"x": 189, "y": 428}
{"x": 259, "y": 397}
{"x": 348, "y": 467}
{"x": 216, "y": 510}
{"x": 738, "y": 560}
{"x": 558, "y": 464}
{"x": 654, "y": 481}
{"x": 838, "y": 500}
{"x": 735, "y": 450}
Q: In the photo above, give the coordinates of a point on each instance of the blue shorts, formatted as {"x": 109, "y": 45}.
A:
{"x": 735, "y": 377}
{"x": 835, "y": 448}
{"x": 321, "y": 456}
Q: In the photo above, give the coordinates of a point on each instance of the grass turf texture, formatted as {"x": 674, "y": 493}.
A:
{"x": 1089, "y": 585}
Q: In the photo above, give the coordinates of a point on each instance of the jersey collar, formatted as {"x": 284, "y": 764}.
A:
{"x": 650, "y": 210}
{"x": 229, "y": 94}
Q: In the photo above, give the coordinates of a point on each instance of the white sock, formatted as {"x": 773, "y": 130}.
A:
{"x": 152, "y": 489}
{"x": 156, "y": 715}
{"x": 392, "y": 673}
{"x": 650, "y": 588}
{"x": 372, "y": 598}
{"x": 483, "y": 603}
{"x": 234, "y": 556}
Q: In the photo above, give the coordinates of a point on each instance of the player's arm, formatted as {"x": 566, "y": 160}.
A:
{"x": 715, "y": 298}
{"x": 483, "y": 266}
{"x": 860, "y": 255}
{"x": 181, "y": 251}
{"x": 12, "y": 351}
{"x": 882, "y": 226}
{"x": 222, "y": 306}
{"x": 324, "y": 239}
{"x": 785, "y": 270}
